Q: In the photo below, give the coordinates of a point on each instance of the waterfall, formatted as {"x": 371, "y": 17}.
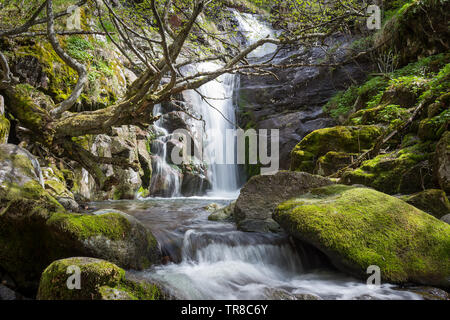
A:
{"x": 165, "y": 180}
{"x": 214, "y": 102}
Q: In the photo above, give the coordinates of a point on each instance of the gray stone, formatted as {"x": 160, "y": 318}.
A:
{"x": 260, "y": 196}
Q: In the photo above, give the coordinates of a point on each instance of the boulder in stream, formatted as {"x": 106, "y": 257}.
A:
{"x": 261, "y": 195}
{"x": 99, "y": 280}
{"x": 359, "y": 227}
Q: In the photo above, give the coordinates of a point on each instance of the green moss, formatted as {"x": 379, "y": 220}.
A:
{"x": 359, "y": 227}
{"x": 100, "y": 279}
{"x": 111, "y": 225}
{"x": 4, "y": 129}
{"x": 340, "y": 139}
{"x": 395, "y": 172}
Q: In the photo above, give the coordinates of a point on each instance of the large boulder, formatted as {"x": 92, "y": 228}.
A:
{"x": 359, "y": 227}
{"x": 432, "y": 201}
{"x": 254, "y": 207}
{"x": 99, "y": 280}
{"x": 352, "y": 139}
{"x": 442, "y": 164}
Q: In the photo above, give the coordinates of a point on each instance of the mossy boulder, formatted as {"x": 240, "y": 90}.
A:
{"x": 261, "y": 194}
{"x": 349, "y": 139}
{"x": 40, "y": 232}
{"x": 405, "y": 171}
{"x": 432, "y": 201}
{"x": 99, "y": 280}
{"x": 358, "y": 227}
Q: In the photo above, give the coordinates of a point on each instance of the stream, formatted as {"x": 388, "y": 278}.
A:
{"x": 212, "y": 260}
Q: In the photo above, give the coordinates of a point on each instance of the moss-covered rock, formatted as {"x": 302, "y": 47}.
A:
{"x": 358, "y": 227}
{"x": 99, "y": 280}
{"x": 432, "y": 201}
{"x": 41, "y": 232}
{"x": 406, "y": 170}
{"x": 352, "y": 139}
{"x": 55, "y": 183}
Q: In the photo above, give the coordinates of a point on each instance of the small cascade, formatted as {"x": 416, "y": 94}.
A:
{"x": 166, "y": 179}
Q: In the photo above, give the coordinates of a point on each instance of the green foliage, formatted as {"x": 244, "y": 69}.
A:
{"x": 342, "y": 102}
{"x": 392, "y": 112}
{"x": 79, "y": 48}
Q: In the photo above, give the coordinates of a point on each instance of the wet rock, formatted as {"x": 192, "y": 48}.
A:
{"x": 429, "y": 293}
{"x": 223, "y": 214}
{"x": 280, "y": 294}
{"x": 69, "y": 204}
{"x": 194, "y": 184}
{"x": 8, "y": 294}
{"x": 261, "y": 194}
{"x": 358, "y": 227}
{"x": 99, "y": 280}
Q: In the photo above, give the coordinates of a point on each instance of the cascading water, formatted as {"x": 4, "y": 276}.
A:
{"x": 165, "y": 180}
{"x": 212, "y": 260}
{"x": 214, "y": 102}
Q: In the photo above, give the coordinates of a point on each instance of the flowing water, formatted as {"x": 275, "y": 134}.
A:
{"x": 212, "y": 260}
{"x": 166, "y": 179}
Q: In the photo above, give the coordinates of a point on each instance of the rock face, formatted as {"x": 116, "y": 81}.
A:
{"x": 36, "y": 230}
{"x": 260, "y": 196}
{"x": 432, "y": 201}
{"x": 293, "y": 104}
{"x": 358, "y": 227}
{"x": 336, "y": 139}
{"x": 99, "y": 280}
{"x": 442, "y": 166}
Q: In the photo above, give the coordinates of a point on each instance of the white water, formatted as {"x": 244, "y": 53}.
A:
{"x": 218, "y": 111}
{"x": 166, "y": 180}
{"x": 254, "y": 29}
{"x": 212, "y": 260}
